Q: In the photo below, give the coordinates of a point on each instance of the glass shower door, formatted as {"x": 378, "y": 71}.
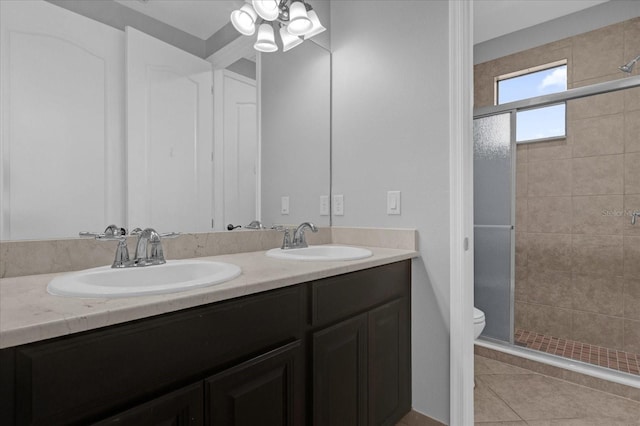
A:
{"x": 493, "y": 200}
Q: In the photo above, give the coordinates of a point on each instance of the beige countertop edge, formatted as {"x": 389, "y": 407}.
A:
{"x": 29, "y": 314}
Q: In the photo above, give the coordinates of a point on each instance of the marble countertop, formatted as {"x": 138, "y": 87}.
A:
{"x": 29, "y": 314}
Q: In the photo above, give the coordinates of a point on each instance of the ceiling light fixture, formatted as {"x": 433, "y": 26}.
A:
{"x": 295, "y": 19}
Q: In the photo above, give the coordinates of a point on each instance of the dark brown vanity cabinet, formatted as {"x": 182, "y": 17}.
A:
{"x": 362, "y": 363}
{"x": 334, "y": 351}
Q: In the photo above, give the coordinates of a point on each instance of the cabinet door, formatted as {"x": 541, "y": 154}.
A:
{"x": 266, "y": 391}
{"x": 389, "y": 363}
{"x": 340, "y": 374}
{"x": 183, "y": 407}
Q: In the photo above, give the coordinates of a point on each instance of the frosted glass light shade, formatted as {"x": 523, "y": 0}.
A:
{"x": 316, "y": 28}
{"x": 299, "y": 22}
{"x": 244, "y": 19}
{"x": 289, "y": 41}
{"x": 267, "y": 9}
{"x": 266, "y": 41}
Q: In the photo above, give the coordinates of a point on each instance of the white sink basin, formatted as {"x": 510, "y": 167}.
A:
{"x": 326, "y": 253}
{"x": 173, "y": 276}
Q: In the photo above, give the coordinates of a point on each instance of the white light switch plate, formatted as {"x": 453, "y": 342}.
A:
{"x": 324, "y": 205}
{"x": 393, "y": 202}
{"x": 338, "y": 205}
{"x": 284, "y": 205}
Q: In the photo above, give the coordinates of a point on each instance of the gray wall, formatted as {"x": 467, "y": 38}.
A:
{"x": 566, "y": 26}
{"x": 390, "y": 132}
{"x": 295, "y": 90}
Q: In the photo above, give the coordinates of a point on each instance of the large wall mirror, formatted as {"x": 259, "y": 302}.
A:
{"x": 104, "y": 126}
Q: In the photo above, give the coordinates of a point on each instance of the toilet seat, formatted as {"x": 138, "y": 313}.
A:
{"x": 478, "y": 316}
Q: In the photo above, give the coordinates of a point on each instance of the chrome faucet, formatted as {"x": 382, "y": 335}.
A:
{"x": 256, "y": 224}
{"x": 299, "y": 240}
{"x": 634, "y": 216}
{"x": 143, "y": 256}
{"x": 149, "y": 248}
{"x": 114, "y": 233}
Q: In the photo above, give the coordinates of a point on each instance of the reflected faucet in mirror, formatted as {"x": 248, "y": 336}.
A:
{"x": 148, "y": 248}
{"x": 299, "y": 240}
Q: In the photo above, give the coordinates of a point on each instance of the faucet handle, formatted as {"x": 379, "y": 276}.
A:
{"x": 170, "y": 235}
{"x": 111, "y": 233}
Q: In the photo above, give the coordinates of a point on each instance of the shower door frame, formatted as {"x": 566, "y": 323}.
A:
{"x": 511, "y": 227}
{"x": 560, "y": 97}
{"x": 532, "y": 103}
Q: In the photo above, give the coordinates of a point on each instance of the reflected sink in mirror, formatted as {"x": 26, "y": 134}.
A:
{"x": 322, "y": 253}
{"x": 173, "y": 276}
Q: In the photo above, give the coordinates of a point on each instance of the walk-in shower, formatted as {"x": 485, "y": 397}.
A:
{"x": 557, "y": 249}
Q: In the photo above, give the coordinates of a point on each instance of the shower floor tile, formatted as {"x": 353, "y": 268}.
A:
{"x": 596, "y": 355}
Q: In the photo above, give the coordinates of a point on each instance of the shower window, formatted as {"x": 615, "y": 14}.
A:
{"x": 536, "y": 124}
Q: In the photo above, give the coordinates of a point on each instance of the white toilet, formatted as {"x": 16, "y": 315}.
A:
{"x": 478, "y": 322}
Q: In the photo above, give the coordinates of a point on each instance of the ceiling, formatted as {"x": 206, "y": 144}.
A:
{"x": 492, "y": 18}
{"x": 200, "y": 18}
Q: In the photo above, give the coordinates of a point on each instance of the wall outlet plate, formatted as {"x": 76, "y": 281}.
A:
{"x": 324, "y": 205}
{"x": 284, "y": 205}
{"x": 338, "y": 205}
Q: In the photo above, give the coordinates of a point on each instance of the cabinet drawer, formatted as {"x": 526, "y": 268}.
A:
{"x": 95, "y": 374}
{"x": 343, "y": 296}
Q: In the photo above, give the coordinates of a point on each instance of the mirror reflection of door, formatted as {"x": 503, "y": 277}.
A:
{"x": 169, "y": 137}
{"x": 240, "y": 149}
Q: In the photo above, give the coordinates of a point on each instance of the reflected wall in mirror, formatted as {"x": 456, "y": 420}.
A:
{"x": 81, "y": 151}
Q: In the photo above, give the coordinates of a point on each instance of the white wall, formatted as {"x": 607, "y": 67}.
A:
{"x": 295, "y": 132}
{"x": 390, "y": 132}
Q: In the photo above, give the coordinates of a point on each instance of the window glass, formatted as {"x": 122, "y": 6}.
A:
{"x": 539, "y": 123}
{"x": 551, "y": 80}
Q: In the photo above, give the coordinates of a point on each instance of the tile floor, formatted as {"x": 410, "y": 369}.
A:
{"x": 506, "y": 395}
{"x": 597, "y": 355}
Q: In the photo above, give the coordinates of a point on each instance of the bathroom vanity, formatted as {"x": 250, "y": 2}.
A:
{"x": 325, "y": 351}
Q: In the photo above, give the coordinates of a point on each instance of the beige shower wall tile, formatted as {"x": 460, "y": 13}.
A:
{"x": 545, "y": 54}
{"x": 522, "y": 179}
{"x": 483, "y": 84}
{"x": 632, "y": 98}
{"x": 598, "y": 175}
{"x": 631, "y": 336}
{"x": 549, "y": 178}
{"x": 521, "y": 285}
{"x": 521, "y": 214}
{"x": 598, "y": 214}
{"x": 597, "y": 254}
{"x": 595, "y": 53}
{"x": 632, "y": 298}
{"x": 596, "y": 329}
{"x": 599, "y": 294}
{"x": 550, "y": 150}
{"x": 544, "y": 319}
{"x": 597, "y": 136}
{"x": 595, "y": 106}
{"x": 631, "y": 204}
{"x": 549, "y": 252}
{"x": 522, "y": 153}
{"x": 549, "y": 288}
{"x": 631, "y": 37}
{"x": 632, "y": 131}
{"x": 631, "y": 257}
{"x": 632, "y": 173}
{"x": 549, "y": 214}
{"x": 521, "y": 249}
